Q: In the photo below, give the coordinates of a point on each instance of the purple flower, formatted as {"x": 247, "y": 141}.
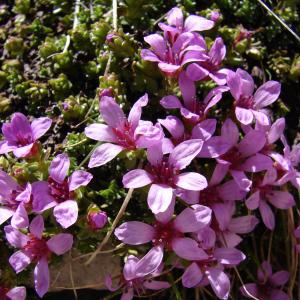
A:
{"x": 58, "y": 192}
{"x": 191, "y": 109}
{"x": 176, "y": 24}
{"x": 210, "y": 270}
{"x": 287, "y": 163}
{"x": 211, "y": 67}
{"x": 34, "y": 248}
{"x": 15, "y": 201}
{"x": 163, "y": 173}
{"x": 138, "y": 275}
{"x": 242, "y": 156}
{"x": 173, "y": 55}
{"x": 268, "y": 285}
{"x": 121, "y": 133}
{"x": 20, "y": 136}
{"x": 97, "y": 219}
{"x": 166, "y": 232}
{"x": 16, "y": 293}
{"x": 264, "y": 192}
{"x": 248, "y": 105}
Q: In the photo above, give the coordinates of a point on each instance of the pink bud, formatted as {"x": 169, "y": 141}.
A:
{"x": 215, "y": 16}
{"x": 97, "y": 220}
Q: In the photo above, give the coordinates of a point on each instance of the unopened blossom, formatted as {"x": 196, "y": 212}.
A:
{"x": 16, "y": 293}
{"x": 15, "y": 201}
{"x": 250, "y": 105}
{"x": 139, "y": 274}
{"x": 192, "y": 109}
{"x": 34, "y": 248}
{"x": 213, "y": 146}
{"x": 269, "y": 284}
{"x": 265, "y": 192}
{"x": 177, "y": 25}
{"x": 242, "y": 156}
{"x": 121, "y": 133}
{"x": 167, "y": 232}
{"x": 164, "y": 174}
{"x": 211, "y": 67}
{"x": 20, "y": 136}
{"x": 58, "y": 191}
{"x": 96, "y": 219}
{"x": 287, "y": 164}
{"x": 210, "y": 270}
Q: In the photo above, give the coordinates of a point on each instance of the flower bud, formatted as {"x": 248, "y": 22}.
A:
{"x": 96, "y": 219}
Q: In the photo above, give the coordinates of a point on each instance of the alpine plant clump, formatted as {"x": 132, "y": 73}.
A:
{"x": 212, "y": 168}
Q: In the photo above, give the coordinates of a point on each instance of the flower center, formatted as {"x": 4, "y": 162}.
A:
{"x": 11, "y": 201}
{"x": 164, "y": 234}
{"x": 23, "y": 140}
{"x": 125, "y": 136}
{"x": 3, "y": 292}
{"x": 245, "y": 102}
{"x": 163, "y": 173}
{"x": 59, "y": 191}
{"x": 209, "y": 196}
{"x": 36, "y": 248}
{"x": 234, "y": 157}
{"x": 211, "y": 261}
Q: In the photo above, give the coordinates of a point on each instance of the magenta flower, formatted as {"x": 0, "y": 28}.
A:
{"x": 172, "y": 56}
{"x": 211, "y": 67}
{"x": 15, "y": 201}
{"x": 20, "y": 136}
{"x": 163, "y": 173}
{"x": 211, "y": 270}
{"x": 248, "y": 105}
{"x": 176, "y": 24}
{"x": 121, "y": 133}
{"x": 16, "y": 293}
{"x": 268, "y": 285}
{"x": 36, "y": 249}
{"x": 287, "y": 163}
{"x": 264, "y": 192}
{"x": 168, "y": 233}
{"x": 138, "y": 275}
{"x": 58, "y": 192}
{"x": 242, "y": 156}
{"x": 97, "y": 219}
{"x": 191, "y": 109}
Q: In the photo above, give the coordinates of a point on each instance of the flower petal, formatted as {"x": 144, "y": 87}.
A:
{"x": 40, "y": 126}
{"x": 159, "y": 198}
{"x": 59, "y": 167}
{"x": 135, "y": 233}
{"x": 188, "y": 249}
{"x": 170, "y": 102}
{"x": 204, "y": 130}
{"x": 20, "y": 217}
{"x": 23, "y": 151}
{"x": 111, "y": 112}
{"x": 66, "y": 213}
{"x": 78, "y": 179}
{"x": 192, "y": 276}
{"x": 17, "y": 293}
{"x": 267, "y": 94}
{"x": 197, "y": 23}
{"x": 41, "y": 198}
{"x": 257, "y": 163}
{"x": 136, "y": 178}
{"x": 191, "y": 181}
{"x": 157, "y": 43}
{"x": 60, "y": 243}
{"x": 229, "y": 256}
{"x": 193, "y": 219}
{"x": 15, "y": 237}
{"x": 281, "y": 199}
{"x": 100, "y": 132}
{"x": 243, "y": 224}
{"x": 19, "y": 261}
{"x": 173, "y": 125}
{"x": 136, "y": 111}
{"x": 41, "y": 277}
{"x": 156, "y": 285}
{"x": 219, "y": 282}
{"x": 36, "y": 226}
{"x": 244, "y": 115}
{"x": 195, "y": 72}
{"x": 267, "y": 215}
{"x": 5, "y": 214}
{"x": 184, "y": 153}
{"x": 247, "y": 147}
{"x": 104, "y": 154}
{"x": 150, "y": 262}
